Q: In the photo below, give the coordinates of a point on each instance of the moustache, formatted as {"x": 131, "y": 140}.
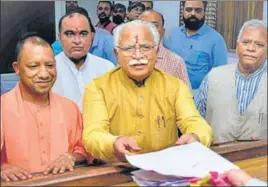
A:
{"x": 140, "y": 62}
{"x": 192, "y": 17}
{"x": 103, "y": 14}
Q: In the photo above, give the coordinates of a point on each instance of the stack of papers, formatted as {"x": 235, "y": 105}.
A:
{"x": 177, "y": 165}
{"x": 151, "y": 178}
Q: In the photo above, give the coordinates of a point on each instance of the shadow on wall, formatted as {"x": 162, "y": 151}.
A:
{"x": 18, "y": 17}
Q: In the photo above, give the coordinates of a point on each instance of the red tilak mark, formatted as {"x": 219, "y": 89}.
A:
{"x": 137, "y": 38}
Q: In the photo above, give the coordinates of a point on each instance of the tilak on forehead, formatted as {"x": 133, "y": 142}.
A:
{"x": 137, "y": 38}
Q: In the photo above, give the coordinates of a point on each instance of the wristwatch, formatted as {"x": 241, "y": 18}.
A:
{"x": 70, "y": 157}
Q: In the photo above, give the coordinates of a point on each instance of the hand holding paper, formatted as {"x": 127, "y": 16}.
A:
{"x": 123, "y": 146}
{"x": 187, "y": 138}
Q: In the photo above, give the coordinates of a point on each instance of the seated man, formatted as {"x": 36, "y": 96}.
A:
{"x": 167, "y": 61}
{"x": 233, "y": 98}
{"x": 40, "y": 131}
{"x": 102, "y": 43}
{"x": 136, "y": 107}
{"x": 75, "y": 66}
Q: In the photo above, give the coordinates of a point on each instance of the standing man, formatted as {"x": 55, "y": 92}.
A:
{"x": 200, "y": 46}
{"x": 102, "y": 44}
{"x": 233, "y": 98}
{"x": 167, "y": 61}
{"x": 76, "y": 67}
{"x": 149, "y": 5}
{"x": 40, "y": 130}
{"x": 119, "y": 13}
{"x": 104, "y": 12}
{"x": 70, "y": 5}
{"x": 134, "y": 10}
{"x": 135, "y": 107}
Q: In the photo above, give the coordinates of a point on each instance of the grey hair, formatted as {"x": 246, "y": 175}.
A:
{"x": 131, "y": 25}
{"x": 251, "y": 23}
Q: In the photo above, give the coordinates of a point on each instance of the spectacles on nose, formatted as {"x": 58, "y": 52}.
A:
{"x": 190, "y": 9}
{"x": 130, "y": 50}
{"x": 118, "y": 11}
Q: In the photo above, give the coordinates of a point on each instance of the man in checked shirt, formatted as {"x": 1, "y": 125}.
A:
{"x": 167, "y": 61}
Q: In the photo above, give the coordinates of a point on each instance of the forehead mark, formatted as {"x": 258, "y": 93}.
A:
{"x": 137, "y": 38}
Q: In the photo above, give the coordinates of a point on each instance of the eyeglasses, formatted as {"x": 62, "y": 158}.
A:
{"x": 119, "y": 11}
{"x": 190, "y": 9}
{"x": 144, "y": 48}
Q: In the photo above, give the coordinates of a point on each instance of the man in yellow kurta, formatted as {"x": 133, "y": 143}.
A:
{"x": 135, "y": 107}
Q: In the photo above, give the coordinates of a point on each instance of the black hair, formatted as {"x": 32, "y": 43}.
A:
{"x": 78, "y": 10}
{"x": 205, "y": 3}
{"x": 119, "y": 5}
{"x": 134, "y": 5}
{"x": 108, "y": 2}
{"x": 35, "y": 39}
{"x": 152, "y": 3}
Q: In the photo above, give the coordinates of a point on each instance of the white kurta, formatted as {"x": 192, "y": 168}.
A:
{"x": 72, "y": 82}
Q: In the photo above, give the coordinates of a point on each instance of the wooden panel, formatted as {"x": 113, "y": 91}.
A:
{"x": 119, "y": 173}
{"x": 93, "y": 175}
{"x": 232, "y": 14}
{"x": 256, "y": 167}
{"x": 242, "y": 150}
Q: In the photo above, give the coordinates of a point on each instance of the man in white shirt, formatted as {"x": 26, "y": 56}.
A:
{"x": 75, "y": 66}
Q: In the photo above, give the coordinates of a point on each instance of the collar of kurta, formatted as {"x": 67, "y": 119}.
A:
{"x": 254, "y": 74}
{"x": 19, "y": 94}
{"x": 131, "y": 83}
{"x": 72, "y": 66}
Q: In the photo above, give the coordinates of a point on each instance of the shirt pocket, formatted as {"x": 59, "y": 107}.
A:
{"x": 167, "y": 132}
{"x": 198, "y": 60}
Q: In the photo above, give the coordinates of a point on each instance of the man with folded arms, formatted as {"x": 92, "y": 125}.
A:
{"x": 135, "y": 107}
{"x": 40, "y": 131}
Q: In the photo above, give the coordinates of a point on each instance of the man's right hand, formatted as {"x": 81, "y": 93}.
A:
{"x": 124, "y": 145}
{"x": 12, "y": 173}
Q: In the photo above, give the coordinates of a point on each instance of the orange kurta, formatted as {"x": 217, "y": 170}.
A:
{"x": 32, "y": 138}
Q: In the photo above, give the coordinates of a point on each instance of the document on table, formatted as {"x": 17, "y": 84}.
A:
{"x": 191, "y": 160}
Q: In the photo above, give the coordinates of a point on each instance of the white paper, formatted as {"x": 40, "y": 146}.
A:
{"x": 191, "y": 160}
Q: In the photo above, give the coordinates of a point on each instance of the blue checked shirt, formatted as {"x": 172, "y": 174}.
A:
{"x": 246, "y": 88}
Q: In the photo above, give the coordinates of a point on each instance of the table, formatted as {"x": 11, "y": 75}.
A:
{"x": 249, "y": 156}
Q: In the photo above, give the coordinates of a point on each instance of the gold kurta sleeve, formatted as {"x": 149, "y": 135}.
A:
{"x": 188, "y": 118}
{"x": 96, "y": 136}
